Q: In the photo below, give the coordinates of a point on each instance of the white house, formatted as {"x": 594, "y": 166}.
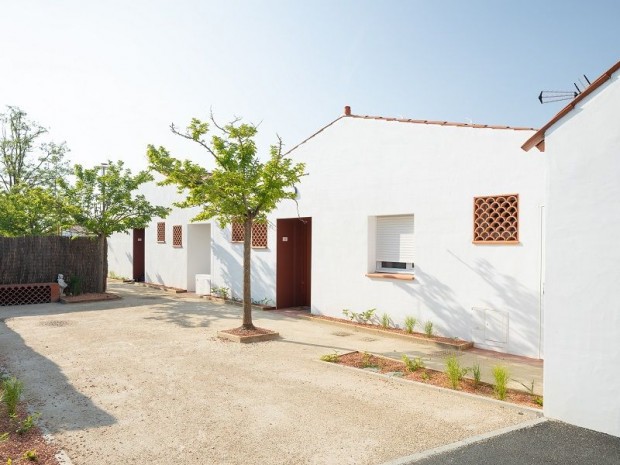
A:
{"x": 582, "y": 291}
{"x": 441, "y": 221}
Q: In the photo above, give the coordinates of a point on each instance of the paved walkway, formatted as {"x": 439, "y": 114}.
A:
{"x": 145, "y": 380}
{"x": 550, "y": 443}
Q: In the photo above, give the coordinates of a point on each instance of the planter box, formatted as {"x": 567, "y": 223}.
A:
{"x": 268, "y": 336}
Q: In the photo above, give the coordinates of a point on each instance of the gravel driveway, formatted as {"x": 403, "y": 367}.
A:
{"x": 145, "y": 380}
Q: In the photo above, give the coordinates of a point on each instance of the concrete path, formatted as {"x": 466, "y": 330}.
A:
{"x": 550, "y": 443}
{"x": 145, "y": 380}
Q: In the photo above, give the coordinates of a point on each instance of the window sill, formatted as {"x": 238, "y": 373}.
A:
{"x": 177, "y": 246}
{"x": 399, "y": 276}
{"x": 496, "y": 242}
{"x": 161, "y": 242}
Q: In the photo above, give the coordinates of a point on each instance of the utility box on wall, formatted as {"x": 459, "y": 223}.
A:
{"x": 490, "y": 327}
{"x": 203, "y": 284}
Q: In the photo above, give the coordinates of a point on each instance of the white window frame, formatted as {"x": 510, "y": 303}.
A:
{"x": 405, "y": 251}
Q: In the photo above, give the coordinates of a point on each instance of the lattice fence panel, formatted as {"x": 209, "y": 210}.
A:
{"x": 25, "y": 295}
{"x": 161, "y": 232}
{"x": 177, "y": 236}
{"x": 259, "y": 235}
{"x": 237, "y": 232}
{"x": 496, "y": 218}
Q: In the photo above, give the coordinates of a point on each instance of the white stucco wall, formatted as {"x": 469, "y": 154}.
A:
{"x": 582, "y": 292}
{"x": 120, "y": 254}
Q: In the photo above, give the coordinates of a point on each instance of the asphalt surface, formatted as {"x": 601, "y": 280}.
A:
{"x": 547, "y": 443}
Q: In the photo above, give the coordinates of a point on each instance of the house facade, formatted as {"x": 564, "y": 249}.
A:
{"x": 430, "y": 219}
{"x": 582, "y": 311}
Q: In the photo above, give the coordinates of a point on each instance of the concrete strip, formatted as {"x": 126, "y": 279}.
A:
{"x": 410, "y": 459}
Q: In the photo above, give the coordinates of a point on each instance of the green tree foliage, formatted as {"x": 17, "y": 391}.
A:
{"x": 32, "y": 211}
{"x": 25, "y": 158}
{"x": 240, "y": 188}
{"x": 104, "y": 203}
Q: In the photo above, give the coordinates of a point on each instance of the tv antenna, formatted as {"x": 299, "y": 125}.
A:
{"x": 550, "y": 96}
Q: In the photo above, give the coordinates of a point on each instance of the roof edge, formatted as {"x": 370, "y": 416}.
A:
{"x": 443, "y": 123}
{"x": 538, "y": 139}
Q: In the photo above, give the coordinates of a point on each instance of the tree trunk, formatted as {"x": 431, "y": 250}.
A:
{"x": 103, "y": 263}
{"x": 247, "y": 284}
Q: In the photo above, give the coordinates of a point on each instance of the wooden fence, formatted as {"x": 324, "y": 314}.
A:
{"x": 39, "y": 259}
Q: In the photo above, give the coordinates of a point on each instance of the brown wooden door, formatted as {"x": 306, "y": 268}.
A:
{"x": 294, "y": 262}
{"x": 138, "y": 254}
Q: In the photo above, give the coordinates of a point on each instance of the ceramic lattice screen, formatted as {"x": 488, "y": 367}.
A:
{"x": 496, "y": 219}
{"x": 161, "y": 232}
{"x": 177, "y": 236}
{"x": 259, "y": 235}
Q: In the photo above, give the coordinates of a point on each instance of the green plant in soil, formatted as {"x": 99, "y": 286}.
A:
{"x": 367, "y": 361}
{"x": 413, "y": 364}
{"x": 538, "y": 400}
{"x": 425, "y": 376}
{"x": 28, "y": 423}
{"x": 477, "y": 374}
{"x": 385, "y": 321}
{"x": 332, "y": 358}
{"x": 454, "y": 371}
{"x": 410, "y": 323}
{"x": 12, "y": 391}
{"x": 428, "y": 329}
{"x": 367, "y": 315}
{"x": 501, "y": 376}
{"x": 31, "y": 455}
{"x": 4, "y": 437}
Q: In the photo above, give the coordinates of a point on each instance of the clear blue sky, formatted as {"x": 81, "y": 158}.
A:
{"x": 109, "y": 76}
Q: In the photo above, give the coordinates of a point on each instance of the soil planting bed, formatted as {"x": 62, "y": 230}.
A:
{"x": 16, "y": 444}
{"x": 243, "y": 335}
{"x": 455, "y": 344}
{"x": 91, "y": 297}
{"x": 433, "y": 377}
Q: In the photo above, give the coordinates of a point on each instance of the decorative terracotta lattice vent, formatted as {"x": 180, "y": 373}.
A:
{"x": 259, "y": 235}
{"x": 161, "y": 232}
{"x": 25, "y": 294}
{"x": 177, "y": 236}
{"x": 237, "y": 232}
{"x": 496, "y": 219}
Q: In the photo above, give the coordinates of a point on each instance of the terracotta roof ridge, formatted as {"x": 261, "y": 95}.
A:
{"x": 442, "y": 123}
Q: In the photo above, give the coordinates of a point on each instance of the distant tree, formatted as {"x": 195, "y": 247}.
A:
{"x": 105, "y": 203}
{"x": 25, "y": 159}
{"x": 32, "y": 211}
{"x": 240, "y": 188}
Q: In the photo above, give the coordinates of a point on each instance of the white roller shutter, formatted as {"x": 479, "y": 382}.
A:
{"x": 395, "y": 238}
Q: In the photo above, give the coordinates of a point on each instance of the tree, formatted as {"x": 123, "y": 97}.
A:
{"x": 104, "y": 204}
{"x": 24, "y": 158}
{"x": 32, "y": 211}
{"x": 240, "y": 188}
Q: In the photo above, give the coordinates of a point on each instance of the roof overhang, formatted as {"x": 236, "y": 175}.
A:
{"x": 538, "y": 139}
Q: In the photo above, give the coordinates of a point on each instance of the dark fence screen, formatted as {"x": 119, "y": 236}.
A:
{"x": 25, "y": 260}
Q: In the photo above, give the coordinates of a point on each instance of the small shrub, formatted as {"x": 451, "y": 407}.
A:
{"x": 367, "y": 315}
{"x": 12, "y": 391}
{"x": 425, "y": 376}
{"x": 538, "y": 400}
{"x": 428, "y": 329}
{"x": 367, "y": 360}
{"x": 4, "y": 437}
{"x": 331, "y": 358}
{"x": 454, "y": 371}
{"x": 501, "y": 375}
{"x": 413, "y": 364}
{"x": 475, "y": 370}
{"x": 75, "y": 285}
{"x": 410, "y": 323}
{"x": 385, "y": 321}
{"x": 348, "y": 313}
{"x": 29, "y": 422}
{"x": 31, "y": 455}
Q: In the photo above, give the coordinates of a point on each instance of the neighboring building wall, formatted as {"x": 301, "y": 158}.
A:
{"x": 120, "y": 255}
{"x": 582, "y": 294}
{"x": 358, "y": 169}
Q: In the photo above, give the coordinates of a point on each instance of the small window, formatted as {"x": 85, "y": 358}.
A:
{"x": 161, "y": 232}
{"x": 394, "y": 244}
{"x": 177, "y": 236}
{"x": 259, "y": 234}
{"x": 496, "y": 219}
